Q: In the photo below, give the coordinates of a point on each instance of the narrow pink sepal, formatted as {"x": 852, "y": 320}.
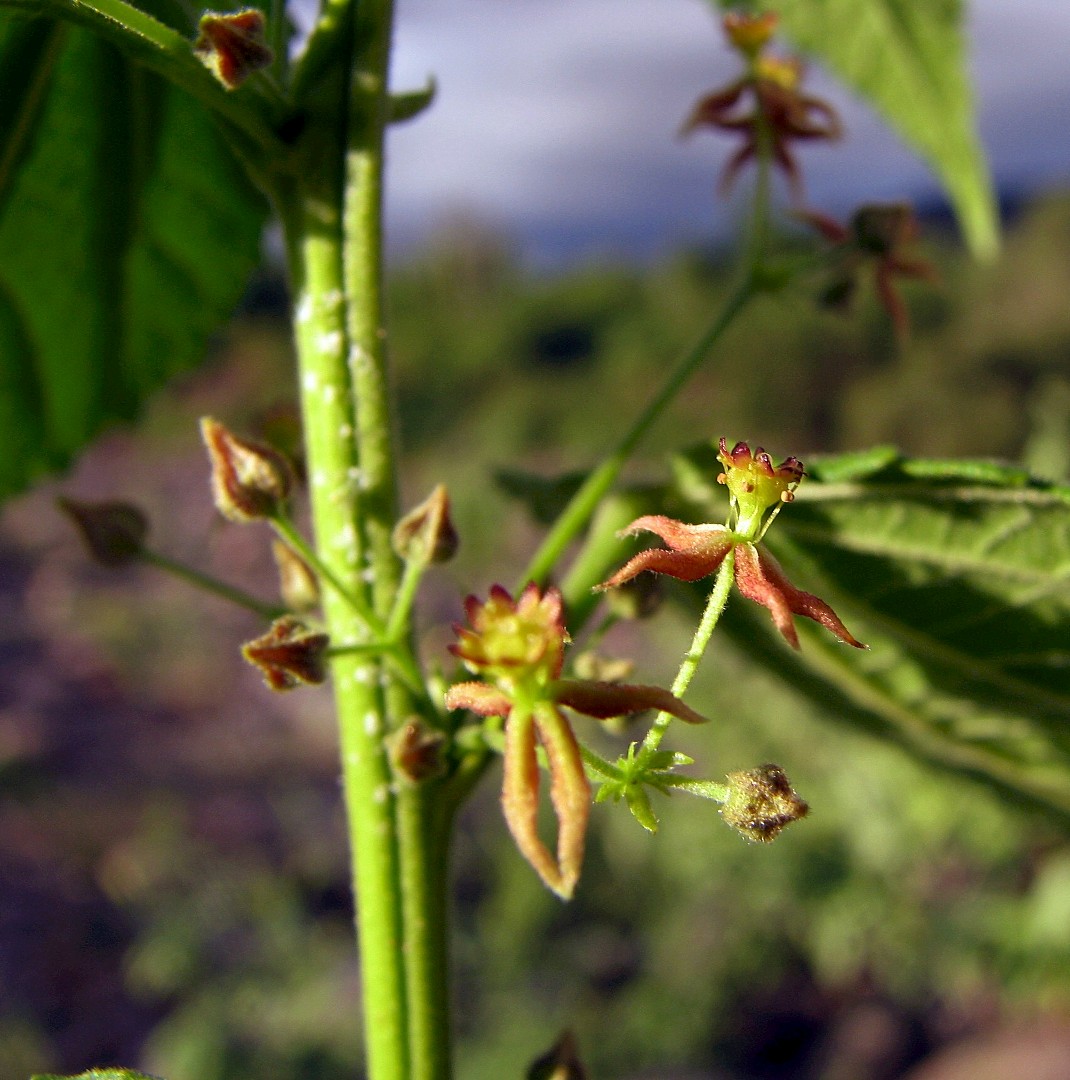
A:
{"x": 570, "y": 794}
{"x": 604, "y": 700}
{"x": 694, "y": 551}
{"x": 759, "y": 577}
{"x": 479, "y": 698}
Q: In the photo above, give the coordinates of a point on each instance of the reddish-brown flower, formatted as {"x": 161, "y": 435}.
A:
{"x": 233, "y": 45}
{"x": 756, "y": 487}
{"x": 778, "y": 115}
{"x": 517, "y": 646}
{"x": 289, "y": 654}
{"x": 878, "y": 236}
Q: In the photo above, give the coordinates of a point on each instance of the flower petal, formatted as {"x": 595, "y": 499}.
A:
{"x": 759, "y": 577}
{"x": 478, "y": 697}
{"x": 695, "y": 550}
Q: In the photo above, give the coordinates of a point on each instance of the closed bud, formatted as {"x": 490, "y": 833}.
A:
{"x": 418, "y": 752}
{"x": 560, "y": 1062}
{"x": 761, "y": 802}
{"x": 250, "y": 481}
{"x": 289, "y": 654}
{"x": 298, "y": 584}
{"x": 233, "y": 45}
{"x": 114, "y": 532}
{"x": 426, "y": 533}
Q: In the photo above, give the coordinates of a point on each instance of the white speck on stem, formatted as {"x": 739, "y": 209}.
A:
{"x": 305, "y": 307}
{"x": 310, "y": 382}
{"x": 330, "y": 394}
{"x": 371, "y": 724}
{"x": 330, "y": 342}
{"x": 345, "y": 431}
{"x": 318, "y": 478}
{"x": 381, "y": 793}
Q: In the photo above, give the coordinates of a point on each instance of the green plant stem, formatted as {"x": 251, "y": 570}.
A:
{"x": 288, "y": 532}
{"x": 399, "y": 831}
{"x": 422, "y": 817}
{"x": 212, "y": 585}
{"x": 715, "y": 606}
{"x": 582, "y": 505}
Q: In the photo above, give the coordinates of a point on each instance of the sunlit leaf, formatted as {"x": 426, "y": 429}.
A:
{"x": 957, "y": 574}
{"x": 127, "y": 233}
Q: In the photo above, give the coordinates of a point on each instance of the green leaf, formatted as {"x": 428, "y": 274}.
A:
{"x": 127, "y": 233}
{"x": 957, "y": 574}
{"x": 908, "y": 57}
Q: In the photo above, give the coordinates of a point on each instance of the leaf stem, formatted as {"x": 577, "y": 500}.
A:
{"x": 582, "y": 505}
{"x": 209, "y": 584}
{"x": 715, "y": 606}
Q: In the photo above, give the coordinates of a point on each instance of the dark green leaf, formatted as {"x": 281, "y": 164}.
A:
{"x": 127, "y": 232}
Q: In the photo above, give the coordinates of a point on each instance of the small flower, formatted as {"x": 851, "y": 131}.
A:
{"x": 755, "y": 486}
{"x": 289, "y": 654}
{"x": 114, "y": 532}
{"x": 878, "y": 236}
{"x": 517, "y": 646}
{"x": 250, "y": 481}
{"x": 233, "y": 45}
{"x": 761, "y": 802}
{"x": 780, "y": 113}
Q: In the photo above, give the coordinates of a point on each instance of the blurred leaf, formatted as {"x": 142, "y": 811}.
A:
{"x": 99, "y": 1074}
{"x": 127, "y": 232}
{"x": 957, "y": 574}
{"x": 909, "y": 59}
{"x": 544, "y": 497}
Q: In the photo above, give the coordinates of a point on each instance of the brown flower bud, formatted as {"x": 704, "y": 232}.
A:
{"x": 233, "y": 45}
{"x": 289, "y": 654}
{"x": 417, "y": 752}
{"x": 560, "y": 1062}
{"x": 426, "y": 533}
{"x": 250, "y": 481}
{"x": 761, "y": 802}
{"x": 298, "y": 584}
{"x": 113, "y": 531}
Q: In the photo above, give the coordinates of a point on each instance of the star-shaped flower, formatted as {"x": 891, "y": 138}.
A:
{"x": 877, "y": 236}
{"x": 756, "y": 487}
{"x": 779, "y": 115}
{"x": 517, "y": 646}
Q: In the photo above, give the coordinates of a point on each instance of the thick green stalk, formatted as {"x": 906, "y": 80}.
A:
{"x": 319, "y": 233}
{"x": 422, "y": 817}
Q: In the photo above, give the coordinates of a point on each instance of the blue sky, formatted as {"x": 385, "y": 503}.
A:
{"x": 556, "y": 121}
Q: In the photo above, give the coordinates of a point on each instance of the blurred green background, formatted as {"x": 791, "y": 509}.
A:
{"x": 174, "y": 890}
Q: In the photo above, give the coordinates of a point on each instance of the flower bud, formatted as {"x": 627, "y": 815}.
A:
{"x": 418, "y": 752}
{"x": 426, "y": 533}
{"x": 114, "y": 532}
{"x": 560, "y": 1062}
{"x": 761, "y": 802}
{"x": 298, "y": 584}
{"x": 749, "y": 33}
{"x": 233, "y": 45}
{"x": 250, "y": 481}
{"x": 289, "y": 654}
